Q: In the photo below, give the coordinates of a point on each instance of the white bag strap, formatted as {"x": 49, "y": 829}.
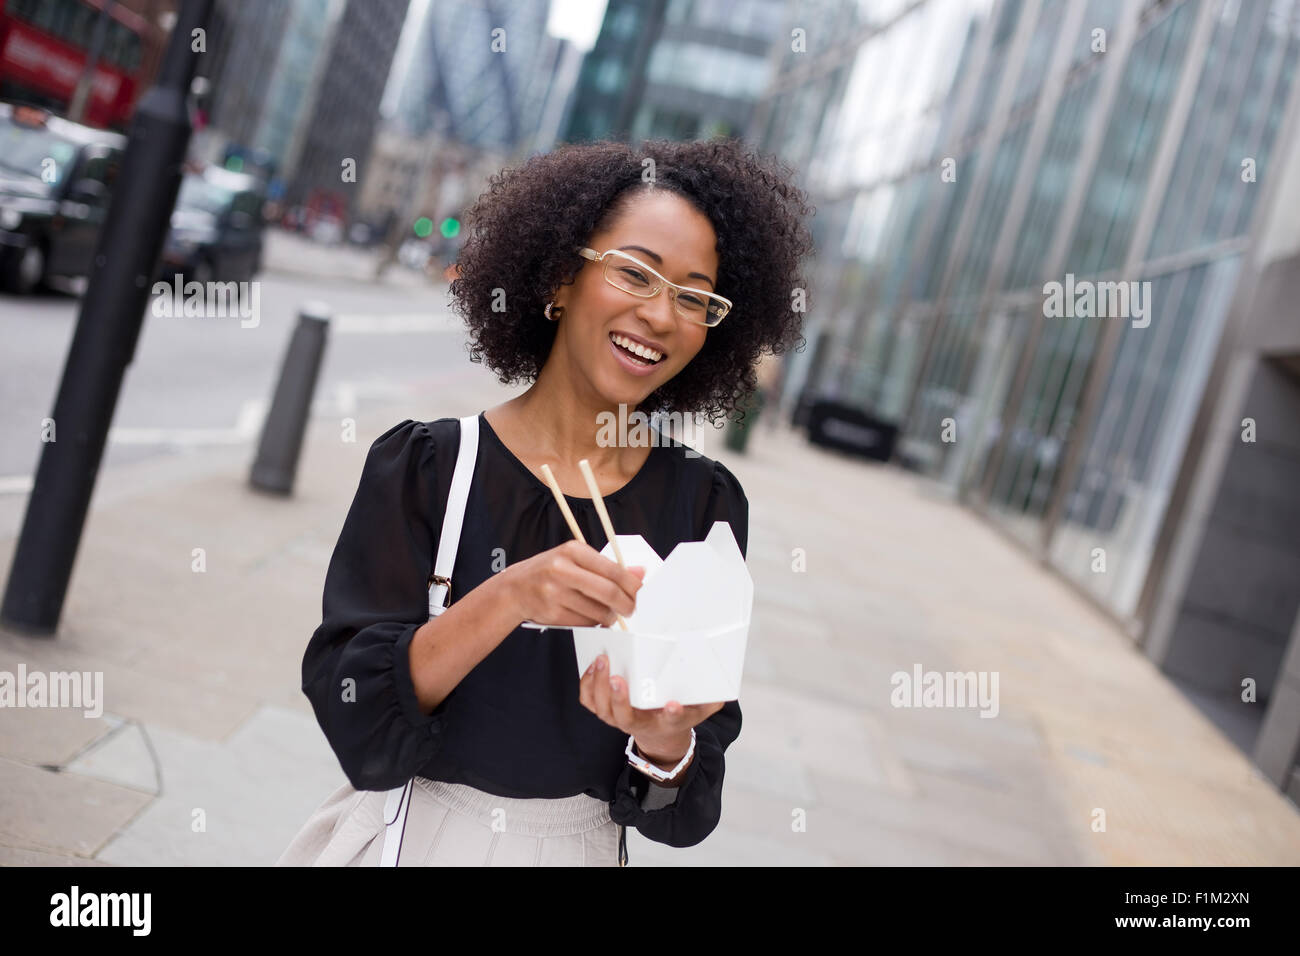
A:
{"x": 454, "y": 518}
{"x": 398, "y": 803}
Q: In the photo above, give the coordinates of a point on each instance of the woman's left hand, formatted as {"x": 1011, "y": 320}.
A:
{"x": 662, "y": 732}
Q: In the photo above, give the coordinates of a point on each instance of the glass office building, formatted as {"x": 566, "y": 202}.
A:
{"x": 675, "y": 69}
{"x": 474, "y": 72}
{"x": 965, "y": 153}
{"x": 1058, "y": 248}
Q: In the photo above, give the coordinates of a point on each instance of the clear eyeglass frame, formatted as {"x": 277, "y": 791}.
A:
{"x": 613, "y": 255}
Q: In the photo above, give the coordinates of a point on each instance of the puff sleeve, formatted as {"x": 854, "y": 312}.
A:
{"x": 695, "y": 811}
{"x": 356, "y": 670}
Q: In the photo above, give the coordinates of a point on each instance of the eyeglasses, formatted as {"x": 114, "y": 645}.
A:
{"x": 630, "y": 274}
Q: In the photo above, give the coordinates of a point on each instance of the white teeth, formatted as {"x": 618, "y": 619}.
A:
{"x": 647, "y": 353}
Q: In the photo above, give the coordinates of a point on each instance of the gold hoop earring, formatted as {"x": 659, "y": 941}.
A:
{"x": 547, "y": 311}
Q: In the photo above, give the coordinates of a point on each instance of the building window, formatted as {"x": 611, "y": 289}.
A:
{"x": 624, "y": 22}
{"x": 709, "y": 69}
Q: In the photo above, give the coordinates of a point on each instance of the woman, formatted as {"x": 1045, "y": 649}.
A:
{"x": 610, "y": 279}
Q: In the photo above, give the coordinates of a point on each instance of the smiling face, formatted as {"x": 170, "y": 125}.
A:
{"x": 667, "y": 233}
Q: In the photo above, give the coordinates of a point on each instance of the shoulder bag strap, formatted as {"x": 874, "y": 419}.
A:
{"x": 445, "y": 561}
{"x": 398, "y": 804}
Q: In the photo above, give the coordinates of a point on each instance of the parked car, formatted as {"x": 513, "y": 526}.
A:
{"x": 216, "y": 227}
{"x": 56, "y": 178}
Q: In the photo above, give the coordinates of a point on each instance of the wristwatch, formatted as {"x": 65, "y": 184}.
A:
{"x": 649, "y": 769}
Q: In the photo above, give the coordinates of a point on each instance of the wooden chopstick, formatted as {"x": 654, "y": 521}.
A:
{"x": 599, "y": 502}
{"x": 559, "y": 500}
{"x": 573, "y": 524}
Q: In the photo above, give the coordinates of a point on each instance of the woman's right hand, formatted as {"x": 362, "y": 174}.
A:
{"x": 573, "y": 585}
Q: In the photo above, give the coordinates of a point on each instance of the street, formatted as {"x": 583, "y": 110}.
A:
{"x": 206, "y": 381}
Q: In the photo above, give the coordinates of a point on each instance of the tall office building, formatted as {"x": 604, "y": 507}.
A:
{"x": 476, "y": 85}
{"x": 267, "y": 65}
{"x": 1056, "y": 240}
{"x": 477, "y": 73}
{"x": 345, "y": 109}
{"x": 676, "y": 69}
{"x": 295, "y": 81}
{"x": 244, "y": 46}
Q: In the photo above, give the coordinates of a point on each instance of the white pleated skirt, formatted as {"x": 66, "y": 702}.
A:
{"x": 451, "y": 824}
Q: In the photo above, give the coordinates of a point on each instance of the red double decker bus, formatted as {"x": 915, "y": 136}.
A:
{"x": 44, "y": 46}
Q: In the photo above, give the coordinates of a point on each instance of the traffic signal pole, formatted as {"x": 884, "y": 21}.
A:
{"x": 103, "y": 344}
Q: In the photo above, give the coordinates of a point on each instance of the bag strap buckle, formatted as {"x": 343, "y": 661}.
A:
{"x": 438, "y": 579}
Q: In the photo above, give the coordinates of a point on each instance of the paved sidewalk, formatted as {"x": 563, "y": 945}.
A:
{"x": 205, "y": 722}
{"x": 291, "y": 253}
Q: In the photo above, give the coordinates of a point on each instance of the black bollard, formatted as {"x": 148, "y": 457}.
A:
{"x": 277, "y": 453}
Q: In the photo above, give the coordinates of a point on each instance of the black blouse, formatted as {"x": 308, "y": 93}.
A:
{"x": 514, "y": 726}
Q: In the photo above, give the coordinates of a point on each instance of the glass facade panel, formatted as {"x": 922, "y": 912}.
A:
{"x": 1055, "y": 172}
{"x": 1036, "y": 443}
{"x": 1128, "y": 145}
{"x": 1119, "y": 498}
{"x": 1095, "y": 33}
{"x": 709, "y": 69}
{"x": 941, "y": 395}
{"x": 904, "y": 359}
{"x": 1240, "y": 96}
{"x": 987, "y": 225}
{"x": 952, "y": 200}
{"x": 994, "y": 65}
{"x": 1009, "y": 343}
{"x": 1036, "y": 62}
{"x": 749, "y": 17}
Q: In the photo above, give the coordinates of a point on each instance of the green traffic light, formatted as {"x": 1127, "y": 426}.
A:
{"x": 450, "y": 228}
{"x": 423, "y": 226}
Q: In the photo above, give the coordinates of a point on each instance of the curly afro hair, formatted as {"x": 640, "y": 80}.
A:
{"x": 523, "y": 228}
